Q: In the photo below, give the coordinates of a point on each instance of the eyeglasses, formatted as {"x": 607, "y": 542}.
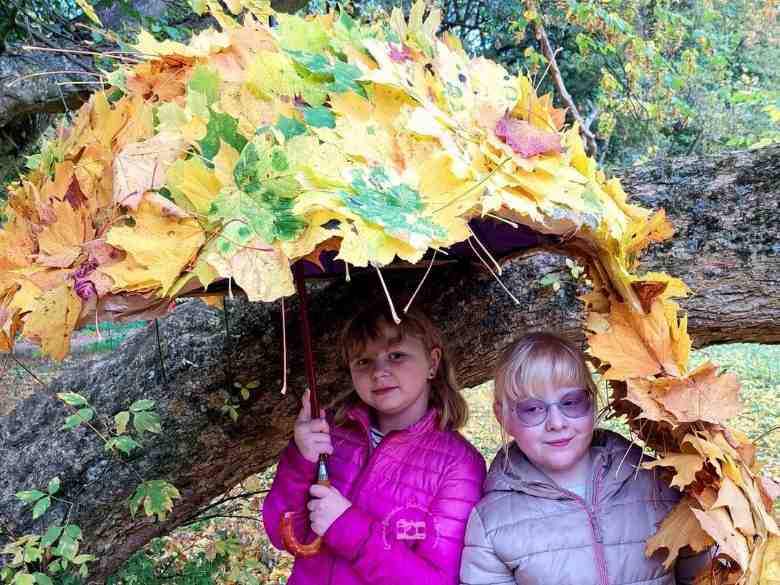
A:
{"x": 574, "y": 404}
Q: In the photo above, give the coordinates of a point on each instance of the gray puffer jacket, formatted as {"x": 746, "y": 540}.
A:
{"x": 529, "y": 531}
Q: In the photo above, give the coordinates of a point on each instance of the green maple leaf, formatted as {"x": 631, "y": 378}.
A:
{"x": 397, "y": 208}
{"x": 221, "y": 127}
{"x": 263, "y": 203}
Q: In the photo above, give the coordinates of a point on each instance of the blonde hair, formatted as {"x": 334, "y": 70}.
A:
{"x": 537, "y": 361}
{"x": 367, "y": 326}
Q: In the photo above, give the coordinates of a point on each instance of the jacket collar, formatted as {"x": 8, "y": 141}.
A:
{"x": 614, "y": 458}
{"x": 361, "y": 414}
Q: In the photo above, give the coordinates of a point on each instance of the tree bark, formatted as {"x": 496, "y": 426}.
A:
{"x": 725, "y": 209}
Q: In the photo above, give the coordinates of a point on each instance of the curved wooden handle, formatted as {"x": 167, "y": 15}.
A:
{"x": 287, "y": 524}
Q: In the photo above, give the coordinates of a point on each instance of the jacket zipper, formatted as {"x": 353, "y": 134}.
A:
{"x": 595, "y": 529}
{"x": 370, "y": 463}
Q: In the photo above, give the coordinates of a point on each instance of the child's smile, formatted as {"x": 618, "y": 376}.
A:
{"x": 391, "y": 375}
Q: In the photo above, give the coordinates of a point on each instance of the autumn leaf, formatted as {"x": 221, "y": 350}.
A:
{"x": 703, "y": 395}
{"x": 141, "y": 167}
{"x": 679, "y": 529}
{"x": 52, "y": 322}
{"x": 636, "y": 345}
{"x": 732, "y": 498}
{"x": 525, "y": 139}
{"x": 685, "y": 467}
{"x": 717, "y": 523}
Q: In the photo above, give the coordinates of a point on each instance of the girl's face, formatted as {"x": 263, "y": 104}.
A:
{"x": 560, "y": 445}
{"x": 392, "y": 375}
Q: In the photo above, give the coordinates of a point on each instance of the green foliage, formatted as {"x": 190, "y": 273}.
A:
{"x": 156, "y": 496}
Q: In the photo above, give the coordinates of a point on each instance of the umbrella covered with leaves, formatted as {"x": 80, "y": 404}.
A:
{"x": 280, "y": 138}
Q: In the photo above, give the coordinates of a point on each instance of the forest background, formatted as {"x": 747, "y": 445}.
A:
{"x": 649, "y": 78}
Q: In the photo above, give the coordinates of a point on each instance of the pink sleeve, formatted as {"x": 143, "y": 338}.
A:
{"x": 358, "y": 537}
{"x": 289, "y": 492}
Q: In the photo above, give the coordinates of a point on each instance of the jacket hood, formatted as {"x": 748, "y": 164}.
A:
{"x": 613, "y": 456}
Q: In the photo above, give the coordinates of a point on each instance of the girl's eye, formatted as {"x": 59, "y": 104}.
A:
{"x": 361, "y": 362}
{"x": 531, "y": 409}
{"x": 396, "y": 355}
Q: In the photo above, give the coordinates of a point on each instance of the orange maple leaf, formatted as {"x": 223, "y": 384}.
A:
{"x": 701, "y": 396}
{"x": 635, "y": 345}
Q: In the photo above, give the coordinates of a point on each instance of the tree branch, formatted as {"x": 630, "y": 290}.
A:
{"x": 541, "y": 36}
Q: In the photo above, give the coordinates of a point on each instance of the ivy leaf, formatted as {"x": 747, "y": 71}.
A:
{"x": 54, "y": 485}
{"x": 41, "y": 506}
{"x": 146, "y": 421}
{"x": 72, "y": 399}
{"x": 30, "y": 497}
{"x": 121, "y": 421}
{"x": 157, "y": 497}
{"x": 319, "y": 117}
{"x": 51, "y": 536}
{"x": 140, "y": 405}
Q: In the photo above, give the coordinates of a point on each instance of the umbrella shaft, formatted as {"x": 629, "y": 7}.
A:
{"x": 306, "y": 335}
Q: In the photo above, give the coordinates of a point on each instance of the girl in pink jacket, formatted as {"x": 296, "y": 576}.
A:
{"x": 403, "y": 480}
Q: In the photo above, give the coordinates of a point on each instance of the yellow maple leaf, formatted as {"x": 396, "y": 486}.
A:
{"x": 60, "y": 242}
{"x": 159, "y": 246}
{"x": 52, "y": 322}
{"x": 192, "y": 184}
{"x": 679, "y": 529}
{"x": 262, "y": 271}
{"x": 201, "y": 44}
{"x": 685, "y": 466}
{"x": 770, "y": 567}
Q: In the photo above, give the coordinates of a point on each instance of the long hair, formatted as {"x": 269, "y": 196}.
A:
{"x": 537, "y": 361}
{"x": 366, "y": 327}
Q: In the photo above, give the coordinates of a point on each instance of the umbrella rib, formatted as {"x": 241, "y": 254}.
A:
{"x": 513, "y": 297}
{"x": 387, "y": 294}
{"x": 487, "y": 252}
{"x": 419, "y": 286}
{"x": 284, "y": 350}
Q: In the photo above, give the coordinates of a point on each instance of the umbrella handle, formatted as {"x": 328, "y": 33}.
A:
{"x": 287, "y": 523}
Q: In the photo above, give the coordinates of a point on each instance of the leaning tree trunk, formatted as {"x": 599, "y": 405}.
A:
{"x": 725, "y": 209}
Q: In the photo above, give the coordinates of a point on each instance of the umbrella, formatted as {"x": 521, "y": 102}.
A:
{"x": 325, "y": 144}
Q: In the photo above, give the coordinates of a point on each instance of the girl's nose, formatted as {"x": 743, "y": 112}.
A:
{"x": 555, "y": 419}
{"x": 380, "y": 368}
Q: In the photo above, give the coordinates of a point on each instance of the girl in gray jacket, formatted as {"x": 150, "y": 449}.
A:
{"x": 564, "y": 505}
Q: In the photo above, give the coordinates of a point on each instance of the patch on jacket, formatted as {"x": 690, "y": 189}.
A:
{"x": 411, "y": 523}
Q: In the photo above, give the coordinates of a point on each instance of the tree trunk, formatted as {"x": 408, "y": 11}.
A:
{"x": 725, "y": 209}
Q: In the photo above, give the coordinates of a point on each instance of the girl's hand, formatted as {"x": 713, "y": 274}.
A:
{"x": 328, "y": 504}
{"x": 312, "y": 436}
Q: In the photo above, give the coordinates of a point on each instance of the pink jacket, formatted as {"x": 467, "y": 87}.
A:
{"x": 411, "y": 498}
